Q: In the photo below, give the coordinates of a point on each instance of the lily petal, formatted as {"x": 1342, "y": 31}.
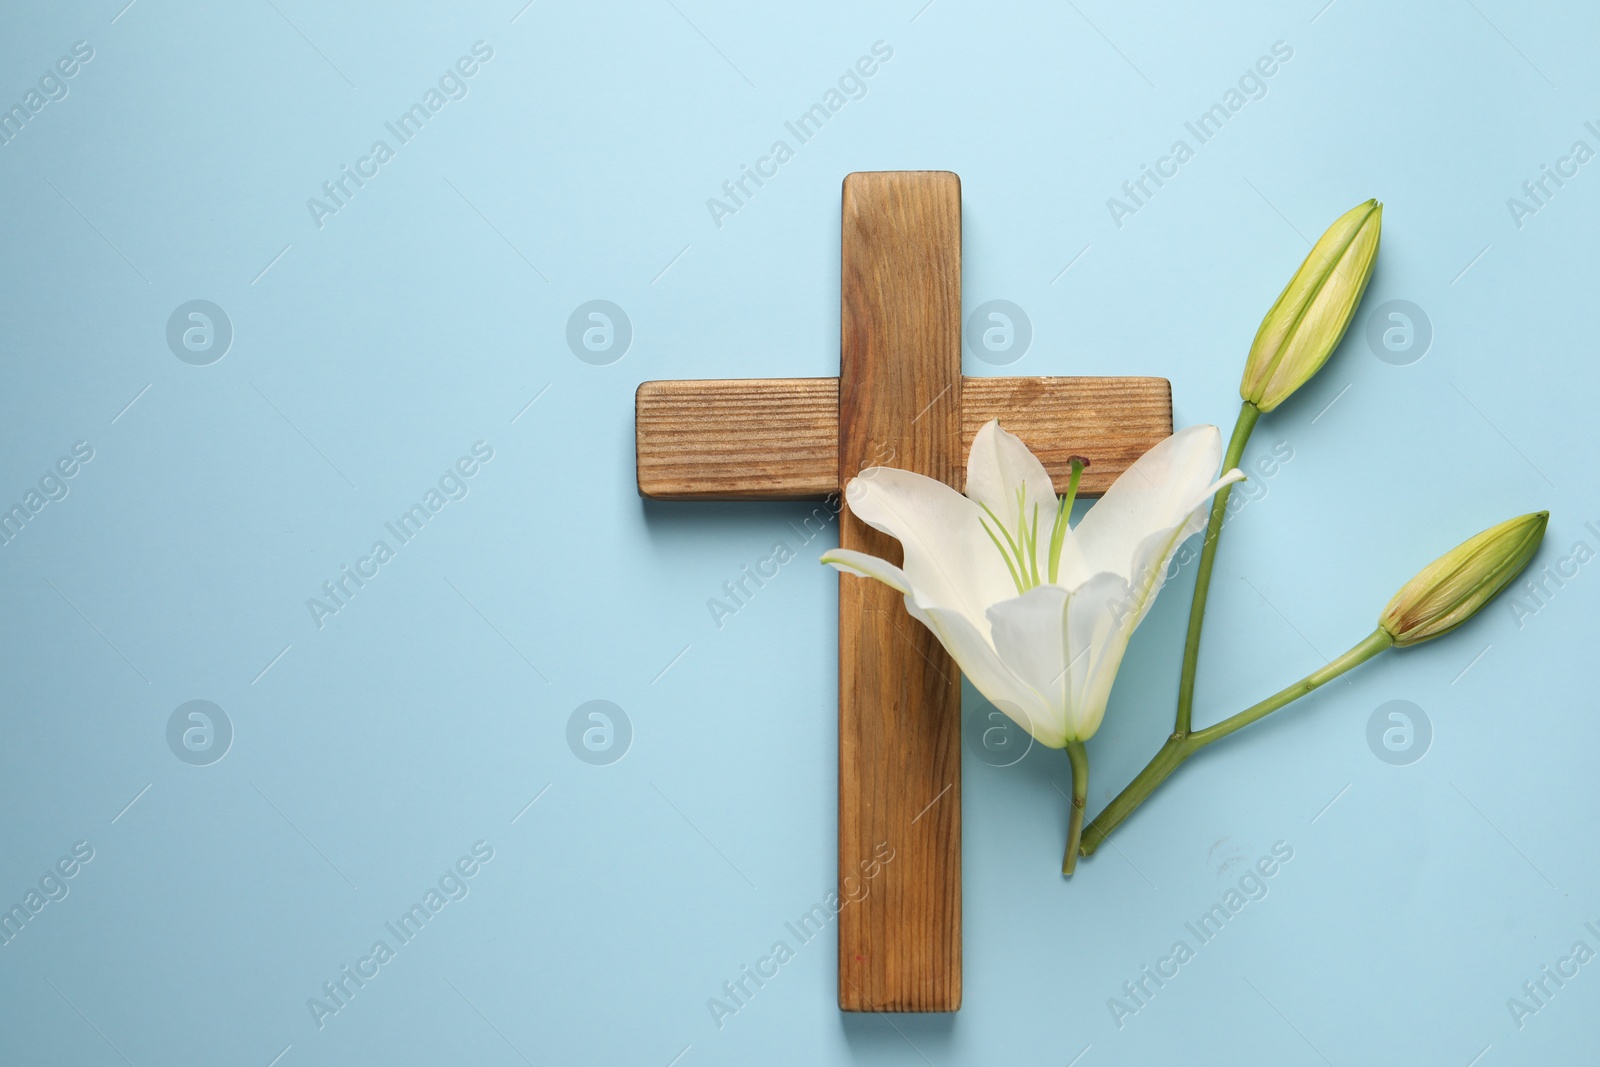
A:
{"x": 1151, "y": 557}
{"x": 862, "y": 565}
{"x": 1066, "y": 646}
{"x": 1156, "y": 492}
{"x": 1047, "y": 657}
{"x": 1029, "y": 635}
{"x": 979, "y": 662}
{"x": 1001, "y": 471}
{"x": 1100, "y": 622}
{"x": 949, "y": 560}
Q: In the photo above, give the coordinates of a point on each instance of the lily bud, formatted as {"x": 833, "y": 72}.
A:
{"x": 1452, "y": 588}
{"x": 1311, "y": 314}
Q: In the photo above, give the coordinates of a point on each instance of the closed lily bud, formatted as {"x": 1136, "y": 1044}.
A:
{"x": 1452, "y": 588}
{"x": 1311, "y": 314}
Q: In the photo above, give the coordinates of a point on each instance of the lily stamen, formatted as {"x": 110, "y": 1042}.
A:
{"x": 1003, "y": 553}
{"x": 1058, "y": 533}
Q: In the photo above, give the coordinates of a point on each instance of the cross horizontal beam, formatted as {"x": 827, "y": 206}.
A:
{"x": 778, "y": 438}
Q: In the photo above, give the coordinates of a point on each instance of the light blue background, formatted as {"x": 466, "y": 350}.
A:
{"x": 371, "y": 753}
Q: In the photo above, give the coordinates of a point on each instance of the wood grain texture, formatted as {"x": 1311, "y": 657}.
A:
{"x": 899, "y": 691}
{"x": 756, "y": 439}
{"x": 777, "y": 438}
{"x": 901, "y": 401}
{"x": 1112, "y": 421}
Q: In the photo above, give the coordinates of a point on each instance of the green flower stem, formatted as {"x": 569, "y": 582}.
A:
{"x": 1180, "y": 747}
{"x": 1079, "y": 757}
{"x": 1248, "y": 414}
{"x": 1170, "y": 758}
{"x": 1377, "y": 641}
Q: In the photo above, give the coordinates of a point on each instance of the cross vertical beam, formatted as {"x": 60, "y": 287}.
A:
{"x": 899, "y": 691}
{"x": 900, "y": 401}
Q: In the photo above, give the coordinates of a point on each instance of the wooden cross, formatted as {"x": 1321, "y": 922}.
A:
{"x": 900, "y": 400}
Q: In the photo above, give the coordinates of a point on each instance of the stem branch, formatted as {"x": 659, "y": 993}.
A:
{"x": 1079, "y": 757}
{"x": 1169, "y": 759}
{"x": 1248, "y": 414}
{"x": 1370, "y": 646}
{"x": 1180, "y": 746}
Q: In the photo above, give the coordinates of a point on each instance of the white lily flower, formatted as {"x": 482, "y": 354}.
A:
{"x": 1039, "y": 624}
